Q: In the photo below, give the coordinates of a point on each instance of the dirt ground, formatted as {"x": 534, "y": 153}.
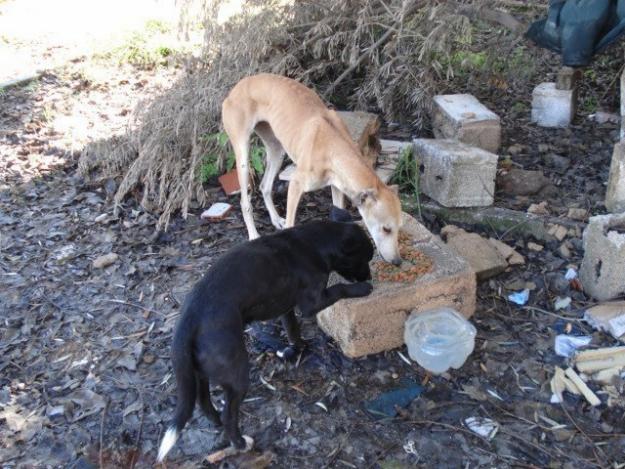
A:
{"x": 85, "y": 376}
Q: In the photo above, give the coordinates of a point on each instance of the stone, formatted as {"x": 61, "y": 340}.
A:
{"x": 456, "y": 174}
{"x": 363, "y": 128}
{"x": 105, "y": 260}
{"x": 534, "y": 247}
{"x": 615, "y": 193}
{"x": 287, "y": 173}
{"x": 567, "y": 78}
{"x": 623, "y": 105}
{"x": 390, "y": 153}
{"x": 363, "y": 326}
{"x": 538, "y": 209}
{"x": 522, "y": 182}
{"x": 558, "y": 231}
{"x": 462, "y": 117}
{"x": 482, "y": 255}
{"x": 564, "y": 251}
{"x": 603, "y": 268}
{"x": 579, "y": 214}
{"x": 556, "y": 161}
{"x": 508, "y": 253}
{"x": 601, "y": 117}
{"x": 552, "y": 107}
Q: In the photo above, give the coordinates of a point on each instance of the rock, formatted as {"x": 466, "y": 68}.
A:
{"x": 522, "y": 182}
{"x": 564, "y": 251}
{"x": 558, "y": 162}
{"x": 601, "y": 117}
{"x": 287, "y": 173}
{"x": 462, "y": 117}
{"x": 557, "y": 283}
{"x": 534, "y": 247}
{"x": 615, "y": 193}
{"x": 482, "y": 255}
{"x": 558, "y": 231}
{"x": 375, "y": 323}
{"x": 456, "y": 174}
{"x": 552, "y": 107}
{"x": 603, "y": 268}
{"x": 538, "y": 209}
{"x": 509, "y": 254}
{"x": 363, "y": 128}
{"x": 516, "y": 149}
{"x": 105, "y": 260}
{"x": 579, "y": 214}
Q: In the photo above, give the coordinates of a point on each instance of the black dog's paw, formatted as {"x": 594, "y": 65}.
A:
{"x": 360, "y": 289}
{"x": 287, "y": 353}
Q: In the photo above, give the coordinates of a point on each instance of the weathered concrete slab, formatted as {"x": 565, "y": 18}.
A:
{"x": 363, "y": 326}
{"x": 603, "y": 268}
{"x": 363, "y": 127}
{"x": 482, "y": 256}
{"x": 456, "y": 174}
{"x": 552, "y": 107}
{"x": 462, "y": 117}
{"x": 615, "y": 194}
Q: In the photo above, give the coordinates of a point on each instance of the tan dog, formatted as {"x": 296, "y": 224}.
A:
{"x": 288, "y": 117}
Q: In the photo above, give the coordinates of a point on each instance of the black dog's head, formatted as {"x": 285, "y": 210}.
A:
{"x": 355, "y": 249}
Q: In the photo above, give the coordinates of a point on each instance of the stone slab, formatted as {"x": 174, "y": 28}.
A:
{"x": 552, "y": 107}
{"x": 456, "y": 174}
{"x": 482, "y": 256}
{"x": 463, "y": 117}
{"x": 363, "y": 128}
{"x": 363, "y": 326}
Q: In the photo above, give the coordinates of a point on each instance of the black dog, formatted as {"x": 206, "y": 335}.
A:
{"x": 256, "y": 281}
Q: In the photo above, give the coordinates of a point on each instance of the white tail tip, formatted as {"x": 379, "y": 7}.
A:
{"x": 169, "y": 440}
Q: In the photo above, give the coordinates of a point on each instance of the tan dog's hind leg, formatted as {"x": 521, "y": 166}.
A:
{"x": 338, "y": 198}
{"x": 275, "y": 157}
{"x": 292, "y": 200}
{"x": 242, "y": 156}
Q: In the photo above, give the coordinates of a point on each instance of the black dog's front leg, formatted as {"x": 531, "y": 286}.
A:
{"x": 311, "y": 303}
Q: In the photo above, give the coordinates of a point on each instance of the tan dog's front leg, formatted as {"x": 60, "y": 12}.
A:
{"x": 292, "y": 201}
{"x": 246, "y": 205}
{"x": 338, "y": 198}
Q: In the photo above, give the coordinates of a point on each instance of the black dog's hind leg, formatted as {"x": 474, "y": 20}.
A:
{"x": 230, "y": 414}
{"x": 204, "y": 399}
{"x": 312, "y": 303}
{"x": 292, "y": 329}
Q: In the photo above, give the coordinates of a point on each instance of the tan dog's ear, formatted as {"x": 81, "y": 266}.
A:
{"x": 368, "y": 195}
{"x": 394, "y": 188}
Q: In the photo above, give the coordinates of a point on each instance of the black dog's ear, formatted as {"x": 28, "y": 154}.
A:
{"x": 340, "y": 214}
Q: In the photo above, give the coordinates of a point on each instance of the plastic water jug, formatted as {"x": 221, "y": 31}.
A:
{"x": 439, "y": 339}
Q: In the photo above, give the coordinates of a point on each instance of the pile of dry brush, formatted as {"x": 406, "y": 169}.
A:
{"x": 382, "y": 55}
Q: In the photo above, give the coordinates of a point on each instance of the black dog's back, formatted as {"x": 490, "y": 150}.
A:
{"x": 256, "y": 280}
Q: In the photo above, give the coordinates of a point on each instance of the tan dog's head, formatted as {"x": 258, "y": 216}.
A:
{"x": 381, "y": 211}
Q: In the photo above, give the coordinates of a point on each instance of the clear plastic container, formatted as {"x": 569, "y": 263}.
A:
{"x": 439, "y": 339}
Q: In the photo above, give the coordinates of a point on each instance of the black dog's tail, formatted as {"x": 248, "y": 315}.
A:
{"x": 183, "y": 362}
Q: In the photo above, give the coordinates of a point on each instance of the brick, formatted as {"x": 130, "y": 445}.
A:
{"x": 552, "y": 107}
{"x": 456, "y": 174}
{"x": 462, "y": 117}
{"x": 615, "y": 194}
{"x": 363, "y": 326}
{"x": 603, "y": 268}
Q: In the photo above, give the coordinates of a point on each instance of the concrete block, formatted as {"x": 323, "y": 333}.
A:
{"x": 390, "y": 153}
{"x": 363, "y": 326}
{"x": 623, "y": 105}
{"x": 462, "y": 117}
{"x": 615, "y": 194}
{"x": 456, "y": 174}
{"x": 603, "y": 268}
{"x": 552, "y": 107}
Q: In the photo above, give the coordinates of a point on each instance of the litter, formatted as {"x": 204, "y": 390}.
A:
{"x": 216, "y": 211}
{"x": 567, "y": 345}
{"x": 230, "y": 451}
{"x": 562, "y": 303}
{"x": 571, "y": 274}
{"x": 520, "y": 298}
{"x": 590, "y": 396}
{"x": 608, "y": 317}
{"x": 385, "y": 404}
{"x": 484, "y": 427}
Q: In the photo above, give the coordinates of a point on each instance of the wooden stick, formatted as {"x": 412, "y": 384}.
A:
{"x": 230, "y": 451}
{"x": 590, "y": 396}
{"x": 600, "y": 359}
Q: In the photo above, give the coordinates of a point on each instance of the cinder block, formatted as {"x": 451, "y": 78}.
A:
{"x": 603, "y": 268}
{"x": 615, "y": 195}
{"x": 456, "y": 174}
{"x": 552, "y": 107}
{"x": 363, "y": 326}
{"x": 462, "y": 117}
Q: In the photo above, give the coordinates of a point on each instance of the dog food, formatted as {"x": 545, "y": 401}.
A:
{"x": 414, "y": 264}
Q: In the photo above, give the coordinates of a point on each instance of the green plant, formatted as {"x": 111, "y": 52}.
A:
{"x": 210, "y": 165}
{"x": 589, "y": 104}
{"x": 407, "y": 175}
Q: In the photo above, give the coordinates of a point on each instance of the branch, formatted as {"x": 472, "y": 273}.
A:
{"x": 500, "y": 17}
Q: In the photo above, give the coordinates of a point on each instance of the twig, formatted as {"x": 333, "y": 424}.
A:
{"x": 100, "y": 459}
{"x": 135, "y": 305}
{"x": 579, "y": 429}
{"x": 373, "y": 46}
{"x": 539, "y": 310}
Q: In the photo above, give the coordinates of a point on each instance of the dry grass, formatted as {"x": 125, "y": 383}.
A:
{"x": 394, "y": 53}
